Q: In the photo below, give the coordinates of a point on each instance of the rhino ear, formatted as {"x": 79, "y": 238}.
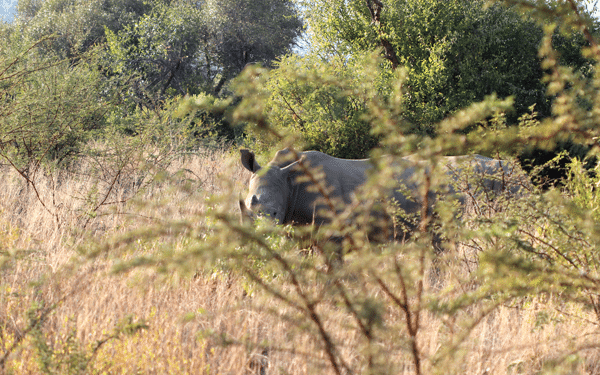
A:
{"x": 283, "y": 158}
{"x": 249, "y": 161}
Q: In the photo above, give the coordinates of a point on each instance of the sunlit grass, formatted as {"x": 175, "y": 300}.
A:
{"x": 214, "y": 321}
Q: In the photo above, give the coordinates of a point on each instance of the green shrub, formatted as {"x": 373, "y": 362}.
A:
{"x": 323, "y": 103}
{"x": 50, "y": 108}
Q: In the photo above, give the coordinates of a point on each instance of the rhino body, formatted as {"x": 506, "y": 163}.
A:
{"x": 280, "y": 192}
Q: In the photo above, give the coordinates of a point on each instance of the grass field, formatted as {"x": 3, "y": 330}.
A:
{"x": 61, "y": 312}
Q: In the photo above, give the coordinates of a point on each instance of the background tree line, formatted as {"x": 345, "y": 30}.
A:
{"x": 453, "y": 53}
{"x": 151, "y": 53}
{"x": 132, "y": 58}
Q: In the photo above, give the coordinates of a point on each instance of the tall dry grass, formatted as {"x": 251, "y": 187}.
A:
{"x": 209, "y": 323}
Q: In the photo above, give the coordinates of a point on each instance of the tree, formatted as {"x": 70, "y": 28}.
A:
{"x": 250, "y": 31}
{"x": 166, "y": 49}
{"x": 77, "y": 25}
{"x": 323, "y": 102}
{"x": 49, "y": 108}
{"x": 192, "y": 48}
{"x": 455, "y": 52}
{"x": 162, "y": 49}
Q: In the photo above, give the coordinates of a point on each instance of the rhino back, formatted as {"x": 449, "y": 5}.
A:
{"x": 341, "y": 176}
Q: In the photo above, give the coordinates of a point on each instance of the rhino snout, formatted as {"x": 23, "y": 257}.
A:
{"x": 266, "y": 204}
{"x": 272, "y": 214}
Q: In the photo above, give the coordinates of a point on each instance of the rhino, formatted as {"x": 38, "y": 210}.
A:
{"x": 279, "y": 190}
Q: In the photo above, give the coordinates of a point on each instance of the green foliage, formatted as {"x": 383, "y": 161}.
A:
{"x": 209, "y": 117}
{"x": 191, "y": 48}
{"x": 581, "y": 186}
{"x": 152, "y": 52}
{"x": 58, "y": 115}
{"x": 78, "y": 25}
{"x": 246, "y": 32}
{"x": 487, "y": 51}
{"x": 455, "y": 52}
{"x": 167, "y": 49}
{"x": 69, "y": 356}
{"x": 50, "y": 108}
{"x": 323, "y": 102}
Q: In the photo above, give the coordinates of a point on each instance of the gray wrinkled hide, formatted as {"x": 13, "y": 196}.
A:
{"x": 278, "y": 192}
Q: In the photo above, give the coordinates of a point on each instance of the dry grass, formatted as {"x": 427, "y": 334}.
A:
{"x": 183, "y": 313}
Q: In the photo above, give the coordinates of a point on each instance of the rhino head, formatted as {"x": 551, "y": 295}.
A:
{"x": 269, "y": 188}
